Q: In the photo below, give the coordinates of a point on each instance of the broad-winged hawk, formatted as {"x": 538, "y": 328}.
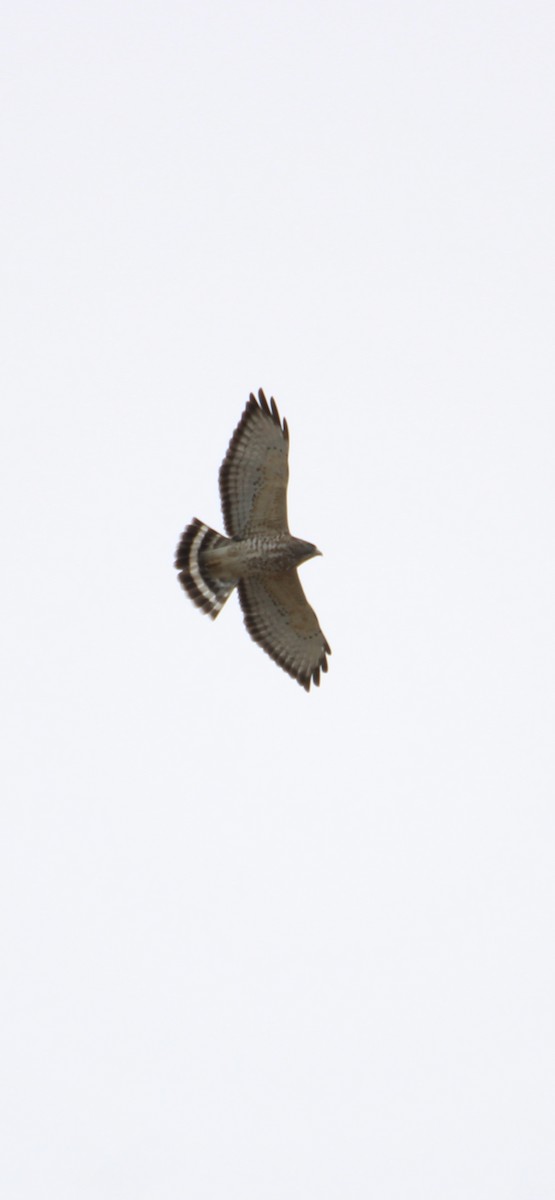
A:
{"x": 259, "y": 556}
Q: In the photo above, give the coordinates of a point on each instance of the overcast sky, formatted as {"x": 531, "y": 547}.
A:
{"x": 259, "y": 944}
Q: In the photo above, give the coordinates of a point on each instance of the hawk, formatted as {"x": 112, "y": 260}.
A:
{"x": 259, "y": 556}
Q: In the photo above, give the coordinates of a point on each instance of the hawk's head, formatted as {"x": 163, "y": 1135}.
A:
{"x": 304, "y": 550}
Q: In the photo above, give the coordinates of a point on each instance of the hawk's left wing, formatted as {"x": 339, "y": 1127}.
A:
{"x": 278, "y": 616}
{"x": 254, "y": 473}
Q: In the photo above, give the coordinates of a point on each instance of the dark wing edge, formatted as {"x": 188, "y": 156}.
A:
{"x": 248, "y": 595}
{"x": 252, "y": 410}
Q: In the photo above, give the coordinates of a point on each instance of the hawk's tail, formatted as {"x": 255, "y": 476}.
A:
{"x": 208, "y": 593}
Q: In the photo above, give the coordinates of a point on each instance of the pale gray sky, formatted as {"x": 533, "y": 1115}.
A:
{"x": 259, "y": 944}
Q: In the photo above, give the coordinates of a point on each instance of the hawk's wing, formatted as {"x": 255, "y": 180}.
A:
{"x": 279, "y": 617}
{"x": 254, "y": 473}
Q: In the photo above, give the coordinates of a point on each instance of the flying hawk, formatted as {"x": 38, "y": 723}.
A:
{"x": 259, "y": 557}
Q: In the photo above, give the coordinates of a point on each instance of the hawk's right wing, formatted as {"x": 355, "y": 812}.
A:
{"x": 254, "y": 473}
{"x": 278, "y": 616}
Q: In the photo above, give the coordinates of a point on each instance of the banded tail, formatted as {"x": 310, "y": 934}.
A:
{"x": 208, "y": 593}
